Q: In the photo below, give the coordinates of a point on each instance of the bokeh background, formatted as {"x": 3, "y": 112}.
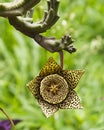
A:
{"x": 21, "y": 59}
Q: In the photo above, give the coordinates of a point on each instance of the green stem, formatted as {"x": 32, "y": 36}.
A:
{"x": 8, "y": 118}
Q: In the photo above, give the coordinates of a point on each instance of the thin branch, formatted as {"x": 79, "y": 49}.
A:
{"x": 13, "y": 126}
{"x": 17, "y": 7}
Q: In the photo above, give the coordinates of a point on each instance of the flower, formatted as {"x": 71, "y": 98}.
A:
{"x": 6, "y": 125}
{"x": 53, "y": 88}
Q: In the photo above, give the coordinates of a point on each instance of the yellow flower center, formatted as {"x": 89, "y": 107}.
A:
{"x": 54, "y": 88}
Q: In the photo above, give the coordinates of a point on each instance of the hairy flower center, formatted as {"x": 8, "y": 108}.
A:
{"x": 54, "y": 88}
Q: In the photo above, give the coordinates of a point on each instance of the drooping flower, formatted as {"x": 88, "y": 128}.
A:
{"x": 53, "y": 88}
{"x": 6, "y": 125}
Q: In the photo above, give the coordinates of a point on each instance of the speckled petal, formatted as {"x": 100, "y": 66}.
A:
{"x": 47, "y": 108}
{"x": 71, "y": 102}
{"x": 33, "y": 85}
{"x": 51, "y": 67}
{"x": 72, "y": 77}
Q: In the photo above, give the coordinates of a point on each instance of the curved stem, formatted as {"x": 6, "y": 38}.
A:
{"x": 8, "y": 118}
{"x": 17, "y": 7}
{"x": 61, "y": 58}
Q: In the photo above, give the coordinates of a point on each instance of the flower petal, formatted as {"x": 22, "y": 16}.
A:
{"x": 72, "y": 77}
{"x": 72, "y": 101}
{"x": 33, "y": 85}
{"x": 47, "y": 108}
{"x": 6, "y": 124}
{"x": 51, "y": 67}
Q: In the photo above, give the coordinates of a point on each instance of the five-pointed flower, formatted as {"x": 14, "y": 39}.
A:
{"x": 53, "y": 88}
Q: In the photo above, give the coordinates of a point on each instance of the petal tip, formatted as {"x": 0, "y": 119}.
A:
{"x": 72, "y": 101}
{"x": 51, "y": 67}
{"x": 47, "y": 108}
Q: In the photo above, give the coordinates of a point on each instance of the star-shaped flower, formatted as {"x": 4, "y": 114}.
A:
{"x": 53, "y": 88}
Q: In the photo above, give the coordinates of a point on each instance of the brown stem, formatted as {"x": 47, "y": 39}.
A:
{"x": 8, "y": 118}
{"x": 34, "y": 30}
{"x": 17, "y": 7}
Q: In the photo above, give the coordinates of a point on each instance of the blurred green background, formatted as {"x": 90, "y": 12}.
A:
{"x": 21, "y": 59}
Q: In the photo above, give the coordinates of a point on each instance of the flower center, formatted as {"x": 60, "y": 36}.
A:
{"x": 54, "y": 89}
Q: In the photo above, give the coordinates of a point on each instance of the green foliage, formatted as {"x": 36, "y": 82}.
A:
{"x": 21, "y": 59}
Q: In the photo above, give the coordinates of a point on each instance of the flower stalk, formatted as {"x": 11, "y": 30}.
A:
{"x": 13, "y": 126}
